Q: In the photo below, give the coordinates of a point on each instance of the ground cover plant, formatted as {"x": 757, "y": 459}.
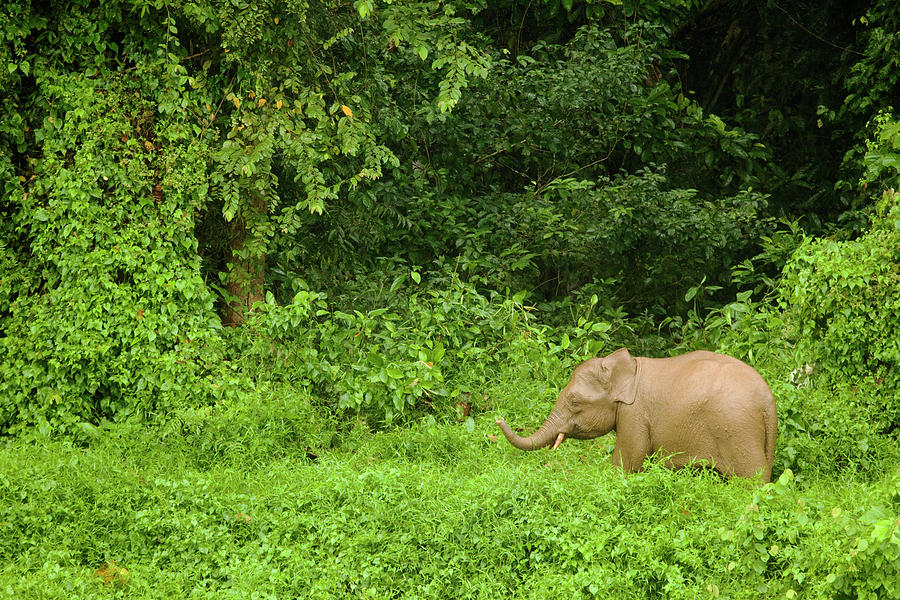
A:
{"x": 289, "y": 507}
{"x": 269, "y": 273}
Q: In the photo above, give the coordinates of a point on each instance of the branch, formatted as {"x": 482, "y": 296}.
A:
{"x": 814, "y": 34}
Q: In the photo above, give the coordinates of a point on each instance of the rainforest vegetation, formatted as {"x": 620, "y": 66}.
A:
{"x": 270, "y": 270}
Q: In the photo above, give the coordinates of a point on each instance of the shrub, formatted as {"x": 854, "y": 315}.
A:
{"x": 796, "y": 544}
{"x": 268, "y": 423}
{"x": 871, "y": 567}
{"x": 828, "y": 430}
{"x": 117, "y": 319}
{"x": 842, "y": 304}
{"x": 430, "y": 351}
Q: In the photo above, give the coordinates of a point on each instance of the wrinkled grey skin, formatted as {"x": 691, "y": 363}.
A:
{"x": 699, "y": 407}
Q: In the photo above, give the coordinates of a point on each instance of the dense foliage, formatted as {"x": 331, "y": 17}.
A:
{"x": 165, "y": 163}
{"x": 116, "y": 317}
{"x": 844, "y": 308}
{"x": 269, "y": 272}
{"x": 255, "y": 502}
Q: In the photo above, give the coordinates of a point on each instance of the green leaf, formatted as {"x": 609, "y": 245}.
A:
{"x": 364, "y": 8}
{"x": 876, "y": 513}
{"x": 89, "y": 429}
{"x": 438, "y": 353}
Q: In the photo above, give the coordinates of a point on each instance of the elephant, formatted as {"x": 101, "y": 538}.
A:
{"x": 700, "y": 407}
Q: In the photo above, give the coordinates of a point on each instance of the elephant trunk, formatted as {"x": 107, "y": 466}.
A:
{"x": 549, "y": 431}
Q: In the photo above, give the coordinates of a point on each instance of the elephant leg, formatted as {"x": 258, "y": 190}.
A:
{"x": 750, "y": 464}
{"x": 629, "y": 454}
{"x": 743, "y": 455}
{"x": 616, "y": 459}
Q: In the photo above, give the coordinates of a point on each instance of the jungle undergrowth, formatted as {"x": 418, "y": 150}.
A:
{"x": 272, "y": 494}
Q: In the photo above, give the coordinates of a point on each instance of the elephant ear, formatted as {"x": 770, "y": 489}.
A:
{"x": 620, "y": 372}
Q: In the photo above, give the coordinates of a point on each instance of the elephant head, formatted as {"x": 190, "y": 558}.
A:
{"x": 588, "y": 406}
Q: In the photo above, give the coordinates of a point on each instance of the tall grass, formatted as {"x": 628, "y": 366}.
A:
{"x": 270, "y": 499}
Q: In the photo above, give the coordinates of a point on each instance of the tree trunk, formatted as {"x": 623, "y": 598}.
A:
{"x": 245, "y": 282}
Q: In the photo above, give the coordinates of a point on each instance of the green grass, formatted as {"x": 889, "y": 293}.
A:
{"x": 270, "y": 499}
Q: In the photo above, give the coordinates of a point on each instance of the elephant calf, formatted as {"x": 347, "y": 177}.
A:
{"x": 700, "y": 406}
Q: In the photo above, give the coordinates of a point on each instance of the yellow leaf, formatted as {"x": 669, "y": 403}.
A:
{"x": 262, "y": 102}
{"x": 237, "y": 103}
{"x": 208, "y": 107}
{"x": 276, "y": 20}
{"x": 346, "y": 110}
{"x": 252, "y": 94}
{"x": 278, "y": 105}
{"x": 111, "y": 573}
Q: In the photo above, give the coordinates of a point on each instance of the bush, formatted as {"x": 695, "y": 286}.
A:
{"x": 432, "y": 510}
{"x": 795, "y": 544}
{"x": 871, "y": 567}
{"x": 842, "y": 304}
{"x": 256, "y": 426}
{"x": 570, "y": 164}
{"x": 838, "y": 416}
{"x": 433, "y": 349}
{"x": 827, "y": 431}
{"x": 116, "y": 319}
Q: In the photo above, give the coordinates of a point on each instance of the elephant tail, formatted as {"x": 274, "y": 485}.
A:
{"x": 770, "y": 419}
